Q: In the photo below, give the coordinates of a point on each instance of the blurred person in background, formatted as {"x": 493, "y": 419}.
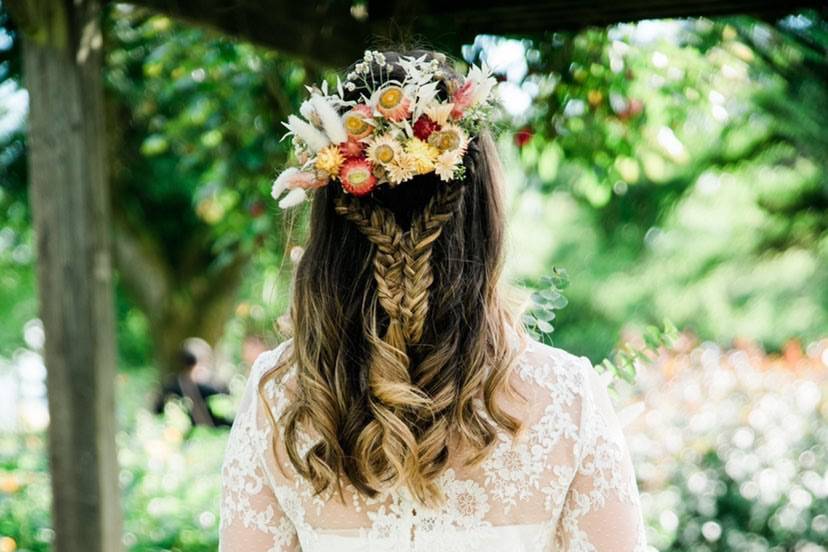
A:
{"x": 193, "y": 390}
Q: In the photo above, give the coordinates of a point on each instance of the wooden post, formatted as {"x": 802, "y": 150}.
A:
{"x": 70, "y": 204}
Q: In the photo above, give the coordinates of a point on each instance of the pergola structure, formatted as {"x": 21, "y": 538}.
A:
{"x": 71, "y": 207}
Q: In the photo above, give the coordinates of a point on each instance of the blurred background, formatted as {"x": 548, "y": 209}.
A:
{"x": 672, "y": 169}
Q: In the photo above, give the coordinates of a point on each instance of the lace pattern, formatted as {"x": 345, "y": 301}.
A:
{"x": 565, "y": 483}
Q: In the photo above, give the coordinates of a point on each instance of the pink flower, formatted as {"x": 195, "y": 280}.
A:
{"x": 462, "y": 98}
{"x": 357, "y": 176}
{"x": 351, "y": 148}
{"x": 293, "y": 178}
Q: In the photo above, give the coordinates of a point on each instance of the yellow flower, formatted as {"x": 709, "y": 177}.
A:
{"x": 383, "y": 150}
{"x": 423, "y": 155}
{"x": 329, "y": 160}
{"x": 357, "y": 121}
{"x": 402, "y": 169}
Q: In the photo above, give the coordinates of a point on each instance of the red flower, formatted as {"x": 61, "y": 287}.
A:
{"x": 523, "y": 136}
{"x": 351, "y": 148}
{"x": 357, "y": 176}
{"x": 424, "y": 127}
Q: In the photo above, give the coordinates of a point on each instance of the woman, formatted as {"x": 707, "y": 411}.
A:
{"x": 409, "y": 411}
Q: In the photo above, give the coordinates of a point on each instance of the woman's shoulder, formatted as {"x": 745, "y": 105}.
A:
{"x": 572, "y": 383}
{"x": 268, "y": 360}
{"x": 553, "y": 367}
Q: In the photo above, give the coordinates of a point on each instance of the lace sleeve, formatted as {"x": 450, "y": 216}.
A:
{"x": 251, "y": 517}
{"x": 602, "y": 510}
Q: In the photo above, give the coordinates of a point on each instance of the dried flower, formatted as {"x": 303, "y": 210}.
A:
{"x": 392, "y": 102}
{"x": 357, "y": 177}
{"x": 329, "y": 160}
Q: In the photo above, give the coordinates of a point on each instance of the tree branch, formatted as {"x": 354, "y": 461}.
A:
{"x": 141, "y": 266}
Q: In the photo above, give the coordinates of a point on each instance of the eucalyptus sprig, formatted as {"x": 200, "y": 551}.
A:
{"x": 549, "y": 298}
{"x": 625, "y": 357}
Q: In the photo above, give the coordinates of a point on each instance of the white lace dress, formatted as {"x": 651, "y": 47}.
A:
{"x": 565, "y": 483}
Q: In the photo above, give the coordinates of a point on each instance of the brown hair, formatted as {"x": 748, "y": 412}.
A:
{"x": 399, "y": 327}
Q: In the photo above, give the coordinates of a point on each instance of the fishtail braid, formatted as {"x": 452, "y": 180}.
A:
{"x": 386, "y": 443}
{"x": 416, "y": 248}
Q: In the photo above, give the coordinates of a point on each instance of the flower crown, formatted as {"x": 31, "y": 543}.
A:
{"x": 399, "y": 130}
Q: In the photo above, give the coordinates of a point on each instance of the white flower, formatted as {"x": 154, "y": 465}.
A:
{"x": 401, "y": 170}
{"x": 439, "y": 112}
{"x": 449, "y": 138}
{"x": 447, "y": 164}
{"x": 330, "y": 119}
{"x": 383, "y": 150}
{"x": 293, "y": 197}
{"x": 280, "y": 184}
{"x": 483, "y": 81}
{"x": 468, "y": 502}
{"x": 312, "y": 136}
{"x": 308, "y": 112}
{"x": 425, "y": 97}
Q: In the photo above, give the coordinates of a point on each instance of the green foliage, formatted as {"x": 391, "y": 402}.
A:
{"x": 678, "y": 170}
{"x": 628, "y": 357}
{"x": 198, "y": 117}
{"x": 169, "y": 475}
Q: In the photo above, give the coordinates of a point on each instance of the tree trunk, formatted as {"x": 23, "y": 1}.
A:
{"x": 70, "y": 205}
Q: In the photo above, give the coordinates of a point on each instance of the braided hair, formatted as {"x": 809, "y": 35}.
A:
{"x": 399, "y": 329}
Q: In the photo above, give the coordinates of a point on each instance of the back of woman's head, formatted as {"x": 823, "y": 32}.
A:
{"x": 398, "y": 325}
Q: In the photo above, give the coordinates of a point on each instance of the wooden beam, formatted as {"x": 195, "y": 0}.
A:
{"x": 449, "y": 25}
{"x": 70, "y": 204}
{"x": 328, "y": 34}
{"x": 324, "y": 33}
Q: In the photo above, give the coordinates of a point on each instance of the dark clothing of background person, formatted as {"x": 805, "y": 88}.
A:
{"x": 205, "y": 390}
{"x": 182, "y": 385}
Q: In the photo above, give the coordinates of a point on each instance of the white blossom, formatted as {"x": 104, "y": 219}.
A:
{"x": 293, "y": 198}
{"x": 312, "y": 136}
{"x": 331, "y": 121}
{"x": 280, "y": 184}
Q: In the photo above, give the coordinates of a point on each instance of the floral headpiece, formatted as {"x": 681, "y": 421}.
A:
{"x": 399, "y": 130}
